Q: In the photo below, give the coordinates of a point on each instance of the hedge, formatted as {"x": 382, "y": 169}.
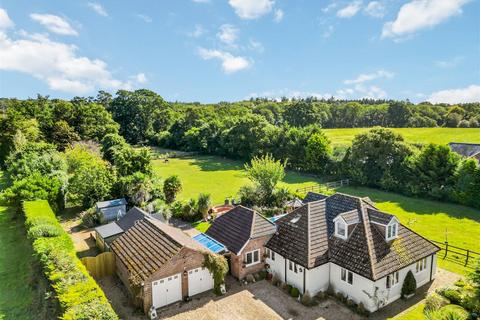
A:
{"x": 79, "y": 295}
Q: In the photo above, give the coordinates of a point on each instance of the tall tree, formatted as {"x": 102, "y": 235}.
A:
{"x": 265, "y": 172}
{"x": 171, "y": 187}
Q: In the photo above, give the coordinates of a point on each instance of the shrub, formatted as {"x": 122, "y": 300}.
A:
{"x": 435, "y": 301}
{"x": 89, "y": 217}
{"x": 460, "y": 283}
{"x": 351, "y": 304}
{"x": 409, "y": 284}
{"x": 341, "y": 297}
{"x": 275, "y": 280}
{"x": 453, "y": 312}
{"x": 321, "y": 295}
{"x": 79, "y": 295}
{"x": 294, "y": 292}
{"x": 453, "y": 295}
{"x": 306, "y": 299}
{"x": 361, "y": 310}
{"x": 250, "y": 278}
{"x": 262, "y": 275}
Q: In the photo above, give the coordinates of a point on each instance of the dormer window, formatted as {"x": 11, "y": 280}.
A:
{"x": 392, "y": 230}
{"x": 341, "y": 229}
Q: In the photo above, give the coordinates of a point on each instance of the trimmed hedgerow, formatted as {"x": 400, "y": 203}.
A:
{"x": 79, "y": 295}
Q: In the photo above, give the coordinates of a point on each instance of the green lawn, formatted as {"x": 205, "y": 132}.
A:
{"x": 220, "y": 177}
{"x": 201, "y": 226}
{"x": 414, "y": 313}
{"x": 16, "y": 271}
{"x": 434, "y": 220}
{"x": 414, "y": 135}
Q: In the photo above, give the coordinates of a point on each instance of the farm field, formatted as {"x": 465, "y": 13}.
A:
{"x": 222, "y": 178}
{"x": 16, "y": 271}
{"x": 413, "y": 135}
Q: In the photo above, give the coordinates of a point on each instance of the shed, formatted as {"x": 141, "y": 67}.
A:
{"x": 111, "y": 210}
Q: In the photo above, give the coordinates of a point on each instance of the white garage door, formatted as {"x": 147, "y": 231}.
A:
{"x": 166, "y": 290}
{"x": 199, "y": 280}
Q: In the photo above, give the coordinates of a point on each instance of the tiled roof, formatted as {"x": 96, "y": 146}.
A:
{"x": 148, "y": 245}
{"x": 310, "y": 240}
{"x": 379, "y": 217}
{"x": 133, "y": 215}
{"x": 111, "y": 203}
{"x": 108, "y": 230}
{"x": 313, "y": 196}
{"x": 466, "y": 150}
{"x": 237, "y": 226}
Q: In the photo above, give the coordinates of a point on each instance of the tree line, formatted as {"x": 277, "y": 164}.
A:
{"x": 37, "y": 132}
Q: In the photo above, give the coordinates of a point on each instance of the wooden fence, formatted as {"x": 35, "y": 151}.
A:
{"x": 101, "y": 265}
{"x": 463, "y": 256}
{"x": 329, "y": 185}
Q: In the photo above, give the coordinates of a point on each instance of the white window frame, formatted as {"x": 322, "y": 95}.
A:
{"x": 253, "y": 256}
{"x": 270, "y": 254}
{"x": 345, "y": 275}
{"x": 392, "y": 231}
{"x": 345, "y": 228}
{"x": 421, "y": 265}
{"x": 392, "y": 280}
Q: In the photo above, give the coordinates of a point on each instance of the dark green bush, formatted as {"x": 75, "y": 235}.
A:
{"x": 288, "y": 288}
{"x": 409, "y": 284}
{"x": 435, "y": 301}
{"x": 294, "y": 292}
{"x": 453, "y": 295}
{"x": 79, "y": 295}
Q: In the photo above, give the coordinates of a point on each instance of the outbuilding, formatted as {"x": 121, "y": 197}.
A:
{"x": 111, "y": 210}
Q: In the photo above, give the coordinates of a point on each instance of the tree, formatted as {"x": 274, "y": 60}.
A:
{"x": 467, "y": 183}
{"x": 377, "y": 157}
{"x": 432, "y": 171}
{"x": 398, "y": 114}
{"x": 265, "y": 172}
{"x": 409, "y": 284}
{"x": 110, "y": 143}
{"x": 128, "y": 160}
{"x": 204, "y": 203}
{"x": 171, "y": 187}
{"x": 318, "y": 151}
{"x": 62, "y": 135}
{"x": 138, "y": 188}
{"x": 90, "y": 177}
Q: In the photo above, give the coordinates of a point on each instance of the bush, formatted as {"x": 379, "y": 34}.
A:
{"x": 341, "y": 297}
{"x": 351, "y": 304}
{"x": 307, "y": 299}
{"x": 453, "y": 295}
{"x": 89, "y": 217}
{"x": 321, "y": 296}
{"x": 79, "y": 295}
{"x": 361, "y": 310}
{"x": 453, "y": 312}
{"x": 409, "y": 284}
{"x": 294, "y": 292}
{"x": 435, "y": 301}
{"x": 275, "y": 280}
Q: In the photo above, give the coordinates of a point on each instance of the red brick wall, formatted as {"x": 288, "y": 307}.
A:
{"x": 240, "y": 272}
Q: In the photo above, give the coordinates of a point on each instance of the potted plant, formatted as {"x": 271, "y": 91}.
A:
{"x": 409, "y": 286}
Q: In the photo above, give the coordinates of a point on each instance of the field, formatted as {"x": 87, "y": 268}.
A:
{"x": 16, "y": 266}
{"x": 222, "y": 178}
{"x": 413, "y": 135}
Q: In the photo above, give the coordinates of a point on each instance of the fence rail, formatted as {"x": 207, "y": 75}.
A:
{"x": 329, "y": 185}
{"x": 460, "y": 255}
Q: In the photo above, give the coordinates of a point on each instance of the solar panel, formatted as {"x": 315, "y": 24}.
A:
{"x": 209, "y": 243}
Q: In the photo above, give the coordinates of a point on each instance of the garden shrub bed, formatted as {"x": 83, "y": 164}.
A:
{"x": 79, "y": 295}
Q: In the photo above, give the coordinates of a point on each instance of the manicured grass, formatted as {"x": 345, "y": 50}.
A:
{"x": 413, "y": 135}
{"x": 414, "y": 313}
{"x": 433, "y": 220}
{"x": 16, "y": 271}
{"x": 201, "y": 226}
{"x": 220, "y": 177}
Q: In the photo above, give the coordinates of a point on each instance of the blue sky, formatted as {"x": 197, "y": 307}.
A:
{"x": 213, "y": 50}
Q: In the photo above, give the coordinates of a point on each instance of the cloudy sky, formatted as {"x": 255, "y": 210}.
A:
{"x": 225, "y": 50}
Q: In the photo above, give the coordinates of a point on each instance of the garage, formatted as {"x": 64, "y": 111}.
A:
{"x": 199, "y": 280}
{"x": 167, "y": 290}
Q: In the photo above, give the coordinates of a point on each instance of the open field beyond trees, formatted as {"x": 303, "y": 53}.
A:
{"x": 412, "y": 135}
{"x": 222, "y": 178}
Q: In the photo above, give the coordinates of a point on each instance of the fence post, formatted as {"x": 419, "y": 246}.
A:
{"x": 446, "y": 249}
{"x": 468, "y": 254}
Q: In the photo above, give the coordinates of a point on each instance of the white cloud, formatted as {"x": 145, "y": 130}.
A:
{"x": 370, "y": 76}
{"x": 56, "y": 63}
{"x": 198, "y": 32}
{"x": 251, "y": 9}
{"x": 350, "y": 10}
{"x": 278, "y": 15}
{"x": 449, "y": 63}
{"x": 330, "y": 7}
{"x": 228, "y": 34}
{"x": 98, "y": 8}
{"x": 230, "y": 63}
{"x": 54, "y": 24}
{"x": 5, "y": 21}
{"x": 145, "y": 18}
{"x": 420, "y": 14}
{"x": 375, "y": 9}
{"x": 256, "y": 45}
{"x": 452, "y": 96}
{"x": 141, "y": 78}
{"x": 288, "y": 93}
{"x": 362, "y": 91}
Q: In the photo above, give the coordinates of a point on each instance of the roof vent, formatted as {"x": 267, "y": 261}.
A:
{"x": 296, "y": 218}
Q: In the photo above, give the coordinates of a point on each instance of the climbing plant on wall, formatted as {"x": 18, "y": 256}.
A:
{"x": 218, "y": 267}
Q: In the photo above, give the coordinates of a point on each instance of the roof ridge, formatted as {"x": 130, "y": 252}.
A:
{"x": 309, "y": 235}
{"x": 252, "y": 224}
{"x": 368, "y": 236}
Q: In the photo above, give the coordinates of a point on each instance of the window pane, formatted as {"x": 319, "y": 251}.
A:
{"x": 350, "y": 277}
{"x": 273, "y": 255}
{"x": 388, "y": 281}
{"x": 343, "y": 275}
{"x": 249, "y": 258}
{"x": 290, "y": 265}
{"x": 255, "y": 256}
{"x": 340, "y": 228}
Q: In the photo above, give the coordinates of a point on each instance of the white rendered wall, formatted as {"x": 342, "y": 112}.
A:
{"x": 317, "y": 279}
{"x": 277, "y": 266}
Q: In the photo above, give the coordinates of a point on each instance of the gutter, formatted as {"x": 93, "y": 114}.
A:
{"x": 431, "y": 266}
